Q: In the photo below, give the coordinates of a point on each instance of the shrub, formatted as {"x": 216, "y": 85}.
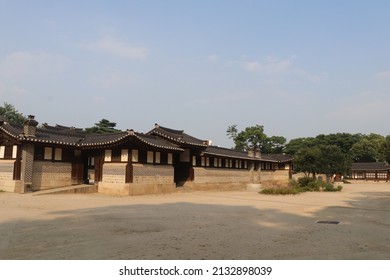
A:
{"x": 285, "y": 190}
{"x": 331, "y": 188}
{"x": 304, "y": 184}
{"x": 304, "y": 181}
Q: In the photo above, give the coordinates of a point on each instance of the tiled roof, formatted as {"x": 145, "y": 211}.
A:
{"x": 60, "y": 136}
{"x": 157, "y": 142}
{"x": 225, "y": 152}
{"x": 63, "y": 129}
{"x": 177, "y": 136}
{"x": 219, "y": 151}
{"x": 277, "y": 157}
{"x": 370, "y": 166}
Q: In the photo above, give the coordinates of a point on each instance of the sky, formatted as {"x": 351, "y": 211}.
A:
{"x": 299, "y": 68}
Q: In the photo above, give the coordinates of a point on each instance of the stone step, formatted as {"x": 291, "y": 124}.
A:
{"x": 69, "y": 190}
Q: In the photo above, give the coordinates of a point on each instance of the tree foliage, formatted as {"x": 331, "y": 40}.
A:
{"x": 103, "y": 126}
{"x": 12, "y": 115}
{"x": 322, "y": 159}
{"x": 254, "y": 137}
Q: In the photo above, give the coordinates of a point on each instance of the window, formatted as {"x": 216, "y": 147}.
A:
{"x": 134, "y": 155}
{"x": 124, "y": 155}
{"x": 14, "y": 151}
{"x": 6, "y": 152}
{"x": 58, "y": 154}
{"x": 158, "y": 157}
{"x": 107, "y": 155}
{"x": 150, "y": 155}
{"x": 2, "y": 151}
{"x": 48, "y": 153}
{"x": 170, "y": 158}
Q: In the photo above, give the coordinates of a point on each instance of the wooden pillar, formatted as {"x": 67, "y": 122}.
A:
{"x": 18, "y": 165}
{"x": 77, "y": 168}
{"x": 98, "y": 169}
{"x": 129, "y": 173}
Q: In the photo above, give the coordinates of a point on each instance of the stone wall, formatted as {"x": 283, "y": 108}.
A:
{"x": 147, "y": 179}
{"x": 219, "y": 179}
{"x": 114, "y": 173}
{"x": 48, "y": 175}
{"x": 275, "y": 178}
{"x": 6, "y": 176}
{"x": 153, "y": 174}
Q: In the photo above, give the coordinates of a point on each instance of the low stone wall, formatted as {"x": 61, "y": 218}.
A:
{"x": 48, "y": 175}
{"x": 153, "y": 174}
{"x": 275, "y": 178}
{"x": 219, "y": 179}
{"x": 6, "y": 176}
{"x": 114, "y": 173}
{"x": 147, "y": 179}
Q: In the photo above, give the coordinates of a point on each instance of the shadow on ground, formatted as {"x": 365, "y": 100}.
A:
{"x": 203, "y": 231}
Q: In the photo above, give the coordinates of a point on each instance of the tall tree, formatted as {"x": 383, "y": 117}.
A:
{"x": 12, "y": 115}
{"x": 254, "y": 137}
{"x": 369, "y": 149}
{"x": 103, "y": 126}
{"x": 386, "y": 148}
{"x": 322, "y": 159}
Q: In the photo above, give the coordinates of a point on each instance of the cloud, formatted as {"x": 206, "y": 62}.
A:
{"x": 112, "y": 80}
{"x": 32, "y": 64}
{"x": 12, "y": 92}
{"x": 308, "y": 76}
{"x": 269, "y": 66}
{"x": 383, "y": 75}
{"x": 366, "y": 111}
{"x": 213, "y": 58}
{"x": 116, "y": 48}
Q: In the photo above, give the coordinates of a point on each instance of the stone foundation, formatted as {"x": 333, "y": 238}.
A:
{"x": 147, "y": 179}
{"x": 49, "y": 175}
{"x": 274, "y": 178}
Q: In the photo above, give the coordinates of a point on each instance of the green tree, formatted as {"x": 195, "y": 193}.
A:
{"x": 369, "y": 149}
{"x": 12, "y": 115}
{"x": 322, "y": 159}
{"x": 386, "y": 149}
{"x": 254, "y": 137}
{"x": 306, "y": 160}
{"x": 103, "y": 126}
{"x": 294, "y": 146}
{"x": 332, "y": 160}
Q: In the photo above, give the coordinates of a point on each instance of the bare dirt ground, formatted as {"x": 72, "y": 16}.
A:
{"x": 198, "y": 225}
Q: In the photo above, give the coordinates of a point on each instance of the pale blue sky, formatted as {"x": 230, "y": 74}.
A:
{"x": 300, "y": 68}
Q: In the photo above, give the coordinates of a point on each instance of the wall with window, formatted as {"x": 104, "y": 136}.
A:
{"x": 52, "y": 167}
{"x": 136, "y": 172}
{"x": 9, "y": 181}
{"x": 219, "y": 162}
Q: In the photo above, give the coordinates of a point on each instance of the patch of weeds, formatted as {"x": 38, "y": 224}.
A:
{"x": 283, "y": 191}
{"x": 304, "y": 184}
{"x": 331, "y": 188}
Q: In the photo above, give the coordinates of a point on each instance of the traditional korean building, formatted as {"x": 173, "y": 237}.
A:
{"x": 36, "y": 158}
{"x": 374, "y": 171}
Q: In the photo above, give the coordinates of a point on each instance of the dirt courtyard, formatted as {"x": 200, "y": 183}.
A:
{"x": 198, "y": 225}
